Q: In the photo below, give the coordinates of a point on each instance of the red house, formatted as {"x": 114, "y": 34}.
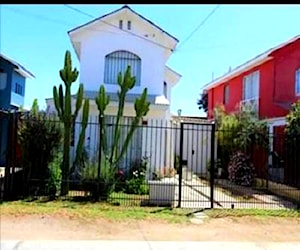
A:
{"x": 270, "y": 82}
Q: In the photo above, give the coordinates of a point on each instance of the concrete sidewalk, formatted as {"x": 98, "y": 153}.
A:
{"x": 145, "y": 245}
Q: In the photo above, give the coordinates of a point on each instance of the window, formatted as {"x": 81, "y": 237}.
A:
{"x": 121, "y": 24}
{"x": 118, "y": 61}
{"x": 3, "y": 79}
{"x": 129, "y": 25}
{"x": 251, "y": 92}
{"x": 226, "y": 94}
{"x": 251, "y": 86}
{"x": 165, "y": 90}
{"x": 297, "y": 82}
{"x": 18, "y": 89}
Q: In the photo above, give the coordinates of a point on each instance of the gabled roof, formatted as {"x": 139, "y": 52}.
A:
{"x": 171, "y": 76}
{"x": 18, "y": 67}
{"x": 119, "y": 10}
{"x": 258, "y": 60}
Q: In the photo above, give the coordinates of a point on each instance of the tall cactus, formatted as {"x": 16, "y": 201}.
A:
{"x": 126, "y": 83}
{"x": 141, "y": 109}
{"x": 102, "y": 100}
{"x": 63, "y": 106}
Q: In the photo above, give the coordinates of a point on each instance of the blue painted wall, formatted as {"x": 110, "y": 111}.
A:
{"x": 5, "y": 93}
{"x": 7, "y": 98}
{"x": 17, "y": 99}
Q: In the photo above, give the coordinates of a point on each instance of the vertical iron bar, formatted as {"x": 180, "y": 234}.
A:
{"x": 212, "y": 168}
{"x": 99, "y": 156}
{"x": 100, "y": 146}
{"x": 180, "y": 164}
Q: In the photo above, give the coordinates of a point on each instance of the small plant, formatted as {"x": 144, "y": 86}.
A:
{"x": 176, "y": 162}
{"x": 240, "y": 169}
{"x": 104, "y": 185}
{"x": 136, "y": 182}
{"x": 165, "y": 172}
{"x": 53, "y": 185}
{"x": 120, "y": 178}
{"x": 218, "y": 164}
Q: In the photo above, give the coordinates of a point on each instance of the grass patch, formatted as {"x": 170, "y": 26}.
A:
{"x": 120, "y": 198}
{"x": 219, "y": 213}
{"x": 87, "y": 210}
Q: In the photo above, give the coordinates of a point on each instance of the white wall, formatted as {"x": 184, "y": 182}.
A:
{"x": 196, "y": 146}
{"x": 97, "y": 45}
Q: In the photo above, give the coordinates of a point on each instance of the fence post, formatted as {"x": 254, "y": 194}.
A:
{"x": 99, "y": 156}
{"x": 10, "y": 155}
{"x": 180, "y": 164}
{"x": 212, "y": 161}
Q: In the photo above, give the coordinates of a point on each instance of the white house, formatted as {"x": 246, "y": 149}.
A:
{"x": 104, "y": 47}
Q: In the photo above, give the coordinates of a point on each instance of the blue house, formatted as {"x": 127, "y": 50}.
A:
{"x": 12, "y": 91}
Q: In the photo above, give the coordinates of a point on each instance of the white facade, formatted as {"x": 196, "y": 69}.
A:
{"x": 94, "y": 41}
{"x": 100, "y": 45}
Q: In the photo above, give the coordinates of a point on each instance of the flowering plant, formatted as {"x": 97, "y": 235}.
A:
{"x": 164, "y": 172}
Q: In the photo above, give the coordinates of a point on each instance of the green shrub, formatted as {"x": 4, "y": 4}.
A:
{"x": 240, "y": 169}
{"x": 218, "y": 164}
{"x": 55, "y": 177}
{"x": 106, "y": 181}
{"x": 39, "y": 139}
{"x": 136, "y": 180}
{"x": 292, "y": 155}
{"x": 136, "y": 186}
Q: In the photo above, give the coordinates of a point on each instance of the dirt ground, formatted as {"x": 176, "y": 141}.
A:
{"x": 37, "y": 227}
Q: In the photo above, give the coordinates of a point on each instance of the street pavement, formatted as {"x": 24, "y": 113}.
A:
{"x": 144, "y": 245}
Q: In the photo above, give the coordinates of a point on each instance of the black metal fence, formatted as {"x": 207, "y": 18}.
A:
{"x": 167, "y": 163}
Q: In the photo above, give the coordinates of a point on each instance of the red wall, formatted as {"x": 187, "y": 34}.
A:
{"x": 287, "y": 61}
{"x": 277, "y": 84}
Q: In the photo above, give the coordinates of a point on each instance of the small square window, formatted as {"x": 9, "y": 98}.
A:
{"x": 121, "y": 24}
{"x": 129, "y": 25}
{"x": 18, "y": 89}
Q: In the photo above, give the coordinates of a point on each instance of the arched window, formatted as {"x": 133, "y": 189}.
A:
{"x": 226, "y": 94}
{"x": 118, "y": 61}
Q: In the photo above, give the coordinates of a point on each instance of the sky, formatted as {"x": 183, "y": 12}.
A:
{"x": 212, "y": 38}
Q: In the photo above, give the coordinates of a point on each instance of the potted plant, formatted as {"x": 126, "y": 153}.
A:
{"x": 162, "y": 187}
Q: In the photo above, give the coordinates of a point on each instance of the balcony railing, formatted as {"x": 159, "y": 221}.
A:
{"x": 250, "y": 104}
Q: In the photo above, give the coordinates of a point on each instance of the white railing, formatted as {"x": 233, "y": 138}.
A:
{"x": 251, "y": 104}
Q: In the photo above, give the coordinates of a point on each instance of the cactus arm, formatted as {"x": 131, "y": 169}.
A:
{"x": 79, "y": 99}
{"x": 102, "y": 100}
{"x": 141, "y": 109}
{"x": 56, "y": 102}
{"x": 84, "y": 123}
{"x": 61, "y": 100}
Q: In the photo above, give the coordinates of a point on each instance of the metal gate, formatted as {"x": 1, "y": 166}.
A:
{"x": 10, "y": 156}
{"x": 197, "y": 155}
